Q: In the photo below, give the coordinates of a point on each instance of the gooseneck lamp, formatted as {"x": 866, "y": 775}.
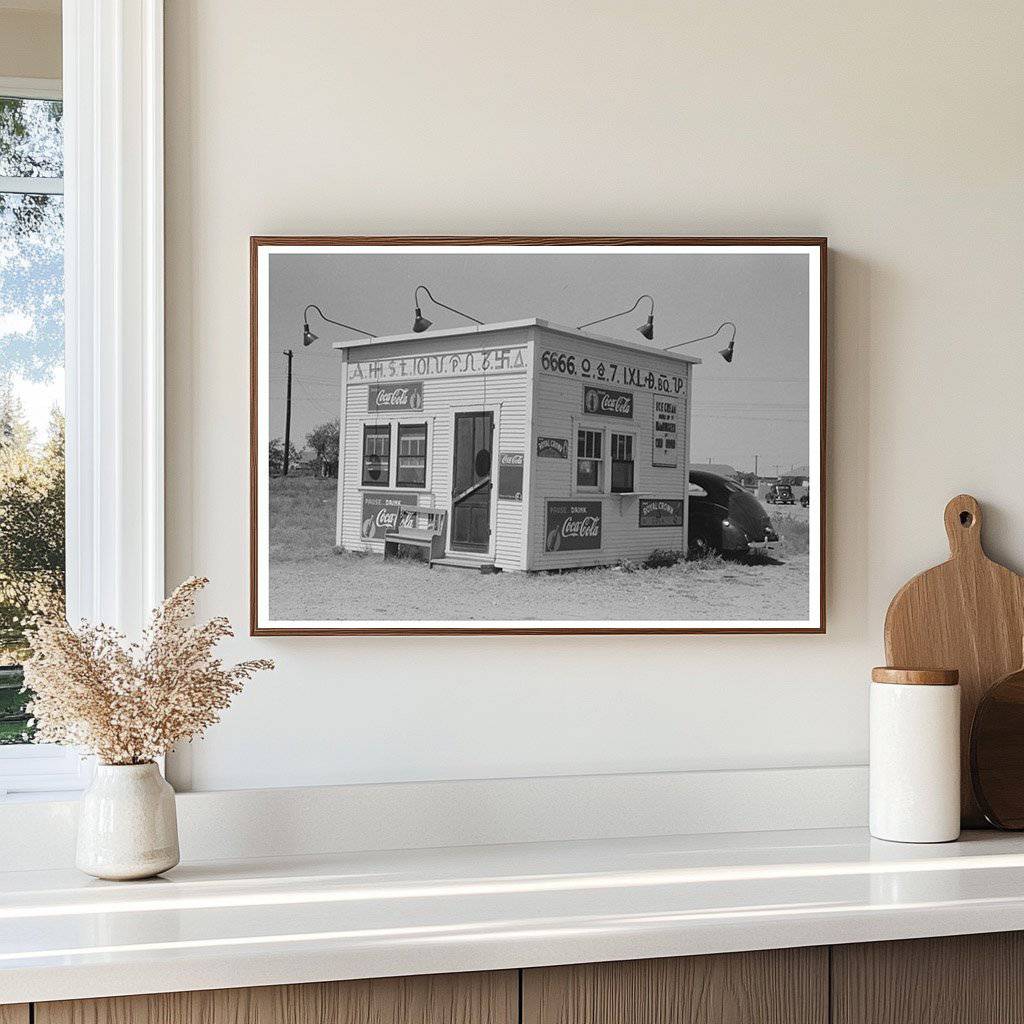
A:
{"x": 646, "y": 329}
{"x": 308, "y": 337}
{"x": 725, "y": 353}
{"x": 420, "y": 322}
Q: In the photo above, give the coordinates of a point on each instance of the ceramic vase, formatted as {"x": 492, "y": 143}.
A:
{"x": 127, "y": 826}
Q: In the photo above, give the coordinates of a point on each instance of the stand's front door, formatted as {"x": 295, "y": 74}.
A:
{"x": 471, "y": 481}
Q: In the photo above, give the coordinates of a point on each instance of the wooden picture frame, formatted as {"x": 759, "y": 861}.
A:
{"x": 433, "y": 527}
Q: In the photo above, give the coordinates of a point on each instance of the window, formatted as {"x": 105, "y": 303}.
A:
{"x": 412, "y": 455}
{"x": 622, "y": 463}
{"x": 32, "y": 553}
{"x": 376, "y": 455}
{"x": 589, "y": 460}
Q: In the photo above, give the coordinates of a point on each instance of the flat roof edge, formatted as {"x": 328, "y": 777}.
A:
{"x": 510, "y": 325}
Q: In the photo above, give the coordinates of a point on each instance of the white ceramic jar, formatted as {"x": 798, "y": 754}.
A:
{"x": 127, "y": 824}
{"x": 915, "y": 755}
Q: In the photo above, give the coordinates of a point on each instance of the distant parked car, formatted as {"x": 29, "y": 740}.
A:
{"x": 805, "y": 499}
{"x": 726, "y": 518}
{"x": 780, "y": 494}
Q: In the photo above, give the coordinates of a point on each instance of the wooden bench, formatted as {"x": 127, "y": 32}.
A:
{"x": 430, "y": 537}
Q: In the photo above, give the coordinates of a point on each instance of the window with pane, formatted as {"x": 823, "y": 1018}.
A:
{"x": 412, "y": 455}
{"x": 589, "y": 459}
{"x": 622, "y": 463}
{"x": 376, "y": 455}
{"x": 31, "y": 385}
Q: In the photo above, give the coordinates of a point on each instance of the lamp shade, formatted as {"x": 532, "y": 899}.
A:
{"x": 726, "y": 353}
{"x": 647, "y": 329}
{"x": 420, "y": 323}
{"x": 308, "y": 337}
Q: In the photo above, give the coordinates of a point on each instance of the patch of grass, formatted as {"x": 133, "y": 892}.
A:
{"x": 302, "y": 516}
{"x": 702, "y": 557}
{"x": 794, "y": 534}
{"x": 662, "y": 558}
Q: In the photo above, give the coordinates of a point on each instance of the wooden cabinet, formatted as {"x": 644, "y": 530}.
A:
{"x": 491, "y": 998}
{"x": 963, "y": 979}
{"x": 779, "y": 986}
{"x": 969, "y": 979}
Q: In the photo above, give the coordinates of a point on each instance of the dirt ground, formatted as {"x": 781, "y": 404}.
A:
{"x": 308, "y": 580}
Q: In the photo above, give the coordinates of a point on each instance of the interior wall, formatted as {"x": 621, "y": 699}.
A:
{"x": 895, "y": 129}
{"x": 30, "y": 45}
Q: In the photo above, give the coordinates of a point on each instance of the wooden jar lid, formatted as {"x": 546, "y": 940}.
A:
{"x": 916, "y": 676}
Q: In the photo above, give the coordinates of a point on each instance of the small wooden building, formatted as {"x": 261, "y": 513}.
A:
{"x": 522, "y": 445}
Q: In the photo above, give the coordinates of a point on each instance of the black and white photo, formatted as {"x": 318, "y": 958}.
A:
{"x": 537, "y": 435}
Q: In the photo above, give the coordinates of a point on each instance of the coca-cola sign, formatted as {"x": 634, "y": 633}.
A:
{"x": 573, "y": 526}
{"x": 386, "y": 397}
{"x": 384, "y": 512}
{"x": 605, "y": 402}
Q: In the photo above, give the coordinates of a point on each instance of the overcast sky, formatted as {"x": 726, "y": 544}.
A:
{"x": 756, "y": 404}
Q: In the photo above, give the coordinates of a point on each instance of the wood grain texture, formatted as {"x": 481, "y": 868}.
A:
{"x": 962, "y": 979}
{"x": 778, "y": 986}
{"x": 14, "y": 1013}
{"x": 915, "y": 676}
{"x": 475, "y": 998}
{"x": 967, "y": 614}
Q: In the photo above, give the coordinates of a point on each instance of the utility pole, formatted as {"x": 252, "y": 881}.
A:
{"x": 288, "y": 414}
{"x": 756, "y": 477}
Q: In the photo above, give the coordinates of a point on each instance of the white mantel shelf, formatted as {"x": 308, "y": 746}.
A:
{"x": 273, "y": 921}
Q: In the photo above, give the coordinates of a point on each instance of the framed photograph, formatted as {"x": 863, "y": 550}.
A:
{"x": 537, "y": 435}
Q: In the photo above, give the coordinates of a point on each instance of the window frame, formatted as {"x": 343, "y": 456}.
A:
{"x": 411, "y": 425}
{"x": 112, "y": 91}
{"x": 631, "y": 437}
{"x": 379, "y": 430}
{"x": 599, "y": 487}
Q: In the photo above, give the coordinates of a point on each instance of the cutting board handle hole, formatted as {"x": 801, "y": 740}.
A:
{"x": 966, "y": 519}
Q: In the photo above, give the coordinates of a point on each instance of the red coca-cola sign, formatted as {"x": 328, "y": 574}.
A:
{"x": 385, "y": 397}
{"x": 606, "y": 402}
{"x": 573, "y": 526}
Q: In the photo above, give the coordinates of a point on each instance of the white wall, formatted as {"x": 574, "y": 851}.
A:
{"x": 895, "y": 129}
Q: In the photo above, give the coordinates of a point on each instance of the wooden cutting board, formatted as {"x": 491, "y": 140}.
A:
{"x": 967, "y": 614}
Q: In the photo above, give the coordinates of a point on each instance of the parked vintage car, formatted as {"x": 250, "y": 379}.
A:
{"x": 726, "y": 518}
{"x": 780, "y": 494}
{"x": 805, "y": 499}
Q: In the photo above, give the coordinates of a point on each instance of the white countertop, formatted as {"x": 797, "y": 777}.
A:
{"x": 272, "y": 921}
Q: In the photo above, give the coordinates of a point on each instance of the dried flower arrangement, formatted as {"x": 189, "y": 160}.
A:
{"x": 130, "y": 703}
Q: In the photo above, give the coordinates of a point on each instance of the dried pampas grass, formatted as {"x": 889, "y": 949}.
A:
{"x": 129, "y": 703}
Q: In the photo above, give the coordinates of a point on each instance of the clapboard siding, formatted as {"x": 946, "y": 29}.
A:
{"x": 510, "y": 374}
{"x": 558, "y": 412}
{"x": 501, "y": 391}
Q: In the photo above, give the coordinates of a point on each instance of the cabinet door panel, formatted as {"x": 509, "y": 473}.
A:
{"x": 779, "y": 986}
{"x": 479, "y": 998}
{"x": 961, "y": 979}
{"x": 14, "y": 1013}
